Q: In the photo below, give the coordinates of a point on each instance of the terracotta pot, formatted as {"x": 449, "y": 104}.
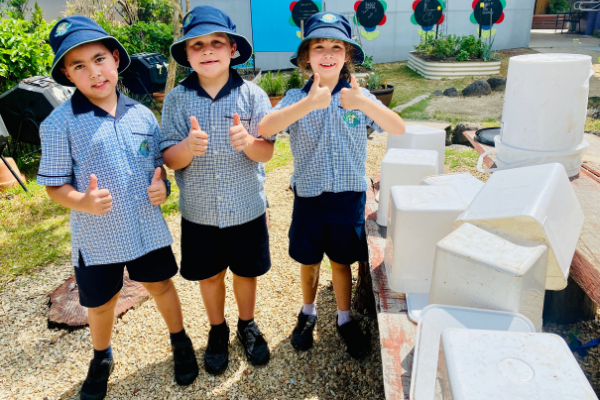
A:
{"x": 275, "y": 100}
{"x": 159, "y": 96}
{"x": 384, "y": 95}
{"x": 7, "y": 180}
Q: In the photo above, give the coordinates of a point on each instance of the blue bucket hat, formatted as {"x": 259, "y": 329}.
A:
{"x": 204, "y": 20}
{"x": 76, "y": 30}
{"x": 329, "y": 25}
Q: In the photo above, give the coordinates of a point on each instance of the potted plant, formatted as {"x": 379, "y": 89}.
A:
{"x": 274, "y": 85}
{"x": 364, "y": 69}
{"x": 377, "y": 85}
{"x": 294, "y": 80}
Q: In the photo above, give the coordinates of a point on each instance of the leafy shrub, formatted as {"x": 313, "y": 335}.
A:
{"x": 462, "y": 55}
{"x": 294, "y": 81}
{"x": 24, "y": 51}
{"x": 374, "y": 81}
{"x": 368, "y": 62}
{"x": 470, "y": 44}
{"x": 558, "y": 6}
{"x": 273, "y": 84}
{"x": 142, "y": 37}
{"x": 155, "y": 11}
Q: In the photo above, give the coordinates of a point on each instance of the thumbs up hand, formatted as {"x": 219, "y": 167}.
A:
{"x": 157, "y": 191}
{"x": 97, "y": 202}
{"x": 197, "y": 139}
{"x": 239, "y": 134}
{"x": 318, "y": 97}
{"x": 352, "y": 98}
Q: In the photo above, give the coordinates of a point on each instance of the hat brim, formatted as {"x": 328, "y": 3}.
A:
{"x": 331, "y": 33}
{"x": 243, "y": 45}
{"x": 77, "y": 39}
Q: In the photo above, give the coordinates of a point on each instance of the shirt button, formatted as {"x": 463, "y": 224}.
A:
{"x": 216, "y": 152}
{"x": 218, "y": 176}
{"x": 219, "y": 197}
{"x": 212, "y": 127}
{"x": 334, "y": 153}
{"x": 130, "y": 173}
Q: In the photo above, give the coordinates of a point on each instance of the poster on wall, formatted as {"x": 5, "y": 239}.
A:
{"x": 485, "y": 14}
{"x": 369, "y": 14}
{"x": 276, "y": 24}
{"x": 429, "y": 15}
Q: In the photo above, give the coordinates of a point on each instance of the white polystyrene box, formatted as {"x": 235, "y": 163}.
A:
{"x": 532, "y": 205}
{"x": 495, "y": 365}
{"x": 466, "y": 185}
{"x": 421, "y": 137}
{"x": 419, "y": 217}
{"x": 476, "y": 268}
{"x": 402, "y": 167}
{"x": 436, "y": 319}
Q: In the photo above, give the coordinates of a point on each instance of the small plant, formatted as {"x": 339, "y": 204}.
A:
{"x": 486, "y": 52}
{"x": 273, "y": 84}
{"x": 294, "y": 81}
{"x": 368, "y": 62}
{"x": 462, "y": 55}
{"x": 558, "y": 6}
{"x": 374, "y": 82}
{"x": 470, "y": 44}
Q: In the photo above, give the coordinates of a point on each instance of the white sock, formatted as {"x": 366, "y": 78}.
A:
{"x": 343, "y": 317}
{"x": 309, "y": 309}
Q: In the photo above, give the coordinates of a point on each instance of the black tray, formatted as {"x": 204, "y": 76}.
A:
{"x": 487, "y": 135}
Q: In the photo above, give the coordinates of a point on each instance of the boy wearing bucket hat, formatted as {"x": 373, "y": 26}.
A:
{"x": 327, "y": 120}
{"x": 100, "y": 158}
{"x": 209, "y": 136}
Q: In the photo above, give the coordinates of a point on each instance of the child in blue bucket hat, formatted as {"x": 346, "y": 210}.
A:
{"x": 210, "y": 139}
{"x": 100, "y": 158}
{"x": 327, "y": 121}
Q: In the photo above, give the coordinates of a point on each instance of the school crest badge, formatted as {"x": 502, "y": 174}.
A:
{"x": 329, "y": 18}
{"x": 351, "y": 119}
{"x": 188, "y": 19}
{"x": 144, "y": 148}
{"x": 62, "y": 29}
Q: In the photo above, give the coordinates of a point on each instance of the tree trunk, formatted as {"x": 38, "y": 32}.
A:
{"x": 364, "y": 299}
{"x": 187, "y": 6}
{"x": 172, "y": 64}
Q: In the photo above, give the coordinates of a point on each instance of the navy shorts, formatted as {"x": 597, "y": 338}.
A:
{"x": 208, "y": 250}
{"x": 99, "y": 283}
{"x": 332, "y": 224}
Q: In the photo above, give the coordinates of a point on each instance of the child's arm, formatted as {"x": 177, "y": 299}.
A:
{"x": 318, "y": 98}
{"x": 93, "y": 201}
{"x": 180, "y": 155}
{"x": 388, "y": 120}
{"x": 256, "y": 149}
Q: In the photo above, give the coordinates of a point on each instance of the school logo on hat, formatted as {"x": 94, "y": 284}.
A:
{"x": 188, "y": 19}
{"x": 144, "y": 148}
{"x": 351, "y": 119}
{"x": 329, "y": 18}
{"x": 62, "y": 29}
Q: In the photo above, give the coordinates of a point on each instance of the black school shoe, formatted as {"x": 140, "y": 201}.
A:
{"x": 96, "y": 383}
{"x": 216, "y": 357}
{"x": 186, "y": 366}
{"x": 302, "y": 336}
{"x": 357, "y": 342}
{"x": 255, "y": 345}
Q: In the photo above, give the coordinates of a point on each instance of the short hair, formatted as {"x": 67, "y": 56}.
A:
{"x": 347, "y": 69}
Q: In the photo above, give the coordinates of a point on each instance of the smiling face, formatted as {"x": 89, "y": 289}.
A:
{"x": 327, "y": 57}
{"x": 210, "y": 55}
{"x": 93, "y": 68}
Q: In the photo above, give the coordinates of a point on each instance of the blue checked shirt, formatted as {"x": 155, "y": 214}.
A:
{"x": 80, "y": 139}
{"x": 329, "y": 146}
{"x": 223, "y": 187}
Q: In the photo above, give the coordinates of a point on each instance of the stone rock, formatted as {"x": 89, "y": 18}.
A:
{"x": 497, "y": 84}
{"x": 594, "y": 113}
{"x": 479, "y": 88}
{"x": 451, "y": 92}
{"x": 457, "y": 134}
{"x": 438, "y": 93}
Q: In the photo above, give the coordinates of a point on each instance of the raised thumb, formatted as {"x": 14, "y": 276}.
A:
{"x": 93, "y": 183}
{"x": 316, "y": 80}
{"x": 157, "y": 175}
{"x": 195, "y": 124}
{"x": 353, "y": 83}
{"x": 236, "y": 119}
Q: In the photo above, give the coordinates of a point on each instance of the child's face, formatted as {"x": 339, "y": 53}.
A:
{"x": 210, "y": 55}
{"x": 93, "y": 69}
{"x": 327, "y": 57}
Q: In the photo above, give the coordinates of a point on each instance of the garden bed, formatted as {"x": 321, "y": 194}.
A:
{"x": 451, "y": 69}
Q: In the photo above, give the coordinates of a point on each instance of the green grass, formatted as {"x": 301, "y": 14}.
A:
{"x": 281, "y": 157}
{"x": 592, "y": 125}
{"x": 417, "y": 111}
{"x": 456, "y": 158}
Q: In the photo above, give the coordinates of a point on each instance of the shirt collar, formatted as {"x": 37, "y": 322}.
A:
{"x": 192, "y": 83}
{"x": 82, "y": 105}
{"x": 342, "y": 83}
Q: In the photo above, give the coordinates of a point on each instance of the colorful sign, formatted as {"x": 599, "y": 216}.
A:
{"x": 369, "y": 15}
{"x": 486, "y": 13}
{"x": 428, "y": 14}
{"x": 301, "y": 11}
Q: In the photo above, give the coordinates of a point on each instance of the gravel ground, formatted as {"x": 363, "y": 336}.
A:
{"x": 41, "y": 363}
